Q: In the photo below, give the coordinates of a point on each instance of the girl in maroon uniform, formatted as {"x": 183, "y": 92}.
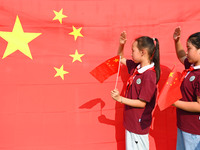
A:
{"x": 188, "y": 108}
{"x": 140, "y": 96}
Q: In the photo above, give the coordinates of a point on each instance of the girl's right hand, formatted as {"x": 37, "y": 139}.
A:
{"x": 115, "y": 95}
{"x": 123, "y": 39}
{"x": 177, "y": 33}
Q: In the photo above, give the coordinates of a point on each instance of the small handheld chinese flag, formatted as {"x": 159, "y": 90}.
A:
{"x": 171, "y": 90}
{"x": 106, "y": 69}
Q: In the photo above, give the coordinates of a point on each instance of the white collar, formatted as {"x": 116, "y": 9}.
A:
{"x": 143, "y": 69}
{"x": 196, "y": 67}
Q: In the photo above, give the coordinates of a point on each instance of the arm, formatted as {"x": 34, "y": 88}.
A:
{"x": 122, "y": 42}
{"x": 188, "y": 106}
{"x": 178, "y": 46}
{"x": 130, "y": 102}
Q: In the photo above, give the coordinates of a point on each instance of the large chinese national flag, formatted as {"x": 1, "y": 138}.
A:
{"x": 48, "y": 98}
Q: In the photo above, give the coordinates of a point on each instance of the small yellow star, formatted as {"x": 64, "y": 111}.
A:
{"x": 116, "y": 60}
{"x": 60, "y": 72}
{"x": 76, "y": 32}
{"x": 59, "y": 15}
{"x": 76, "y": 56}
{"x": 18, "y": 40}
{"x": 171, "y": 74}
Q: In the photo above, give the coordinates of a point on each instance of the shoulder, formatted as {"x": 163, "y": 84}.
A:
{"x": 196, "y": 73}
{"x": 150, "y": 75}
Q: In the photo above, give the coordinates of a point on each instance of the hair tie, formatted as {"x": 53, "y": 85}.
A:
{"x": 154, "y": 41}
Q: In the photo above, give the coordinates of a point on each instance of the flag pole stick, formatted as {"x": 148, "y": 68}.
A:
{"x": 118, "y": 73}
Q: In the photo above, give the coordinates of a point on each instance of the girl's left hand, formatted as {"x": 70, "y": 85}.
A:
{"x": 115, "y": 95}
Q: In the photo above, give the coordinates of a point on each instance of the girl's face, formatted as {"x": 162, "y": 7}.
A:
{"x": 136, "y": 53}
{"x": 192, "y": 53}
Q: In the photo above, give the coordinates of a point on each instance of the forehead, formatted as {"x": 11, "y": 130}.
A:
{"x": 135, "y": 44}
{"x": 189, "y": 44}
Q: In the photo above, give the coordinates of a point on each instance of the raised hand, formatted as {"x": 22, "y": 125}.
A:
{"x": 177, "y": 33}
{"x": 123, "y": 39}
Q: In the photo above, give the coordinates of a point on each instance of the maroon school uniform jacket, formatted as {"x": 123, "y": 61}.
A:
{"x": 190, "y": 89}
{"x": 138, "y": 120}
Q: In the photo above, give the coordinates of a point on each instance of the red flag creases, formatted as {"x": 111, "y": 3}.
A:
{"x": 106, "y": 69}
{"x": 171, "y": 91}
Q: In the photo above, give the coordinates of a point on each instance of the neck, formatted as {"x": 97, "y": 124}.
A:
{"x": 144, "y": 63}
{"x": 197, "y": 64}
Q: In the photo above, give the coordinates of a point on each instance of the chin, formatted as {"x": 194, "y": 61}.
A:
{"x": 134, "y": 60}
{"x": 190, "y": 61}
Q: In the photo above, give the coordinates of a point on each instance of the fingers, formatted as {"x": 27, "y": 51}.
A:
{"x": 114, "y": 93}
{"x": 123, "y": 35}
{"x": 177, "y": 33}
{"x": 178, "y": 30}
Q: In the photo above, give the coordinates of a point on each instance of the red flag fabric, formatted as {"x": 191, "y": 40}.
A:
{"x": 106, "y": 69}
{"x": 171, "y": 90}
{"x": 48, "y": 48}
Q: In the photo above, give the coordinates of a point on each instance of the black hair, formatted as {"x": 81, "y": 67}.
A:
{"x": 194, "y": 39}
{"x": 152, "y": 46}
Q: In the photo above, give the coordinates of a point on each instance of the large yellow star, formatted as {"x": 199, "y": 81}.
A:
{"x": 60, "y": 72}
{"x": 59, "y": 15}
{"x": 18, "y": 40}
{"x": 76, "y": 32}
{"x": 76, "y": 56}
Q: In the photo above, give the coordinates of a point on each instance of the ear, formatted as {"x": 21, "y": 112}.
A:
{"x": 198, "y": 51}
{"x": 143, "y": 52}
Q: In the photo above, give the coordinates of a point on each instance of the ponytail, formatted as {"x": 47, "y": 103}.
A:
{"x": 156, "y": 59}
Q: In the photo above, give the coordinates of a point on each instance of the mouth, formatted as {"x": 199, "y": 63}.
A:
{"x": 189, "y": 60}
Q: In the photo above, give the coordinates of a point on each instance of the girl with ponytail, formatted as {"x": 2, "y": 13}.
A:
{"x": 140, "y": 97}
